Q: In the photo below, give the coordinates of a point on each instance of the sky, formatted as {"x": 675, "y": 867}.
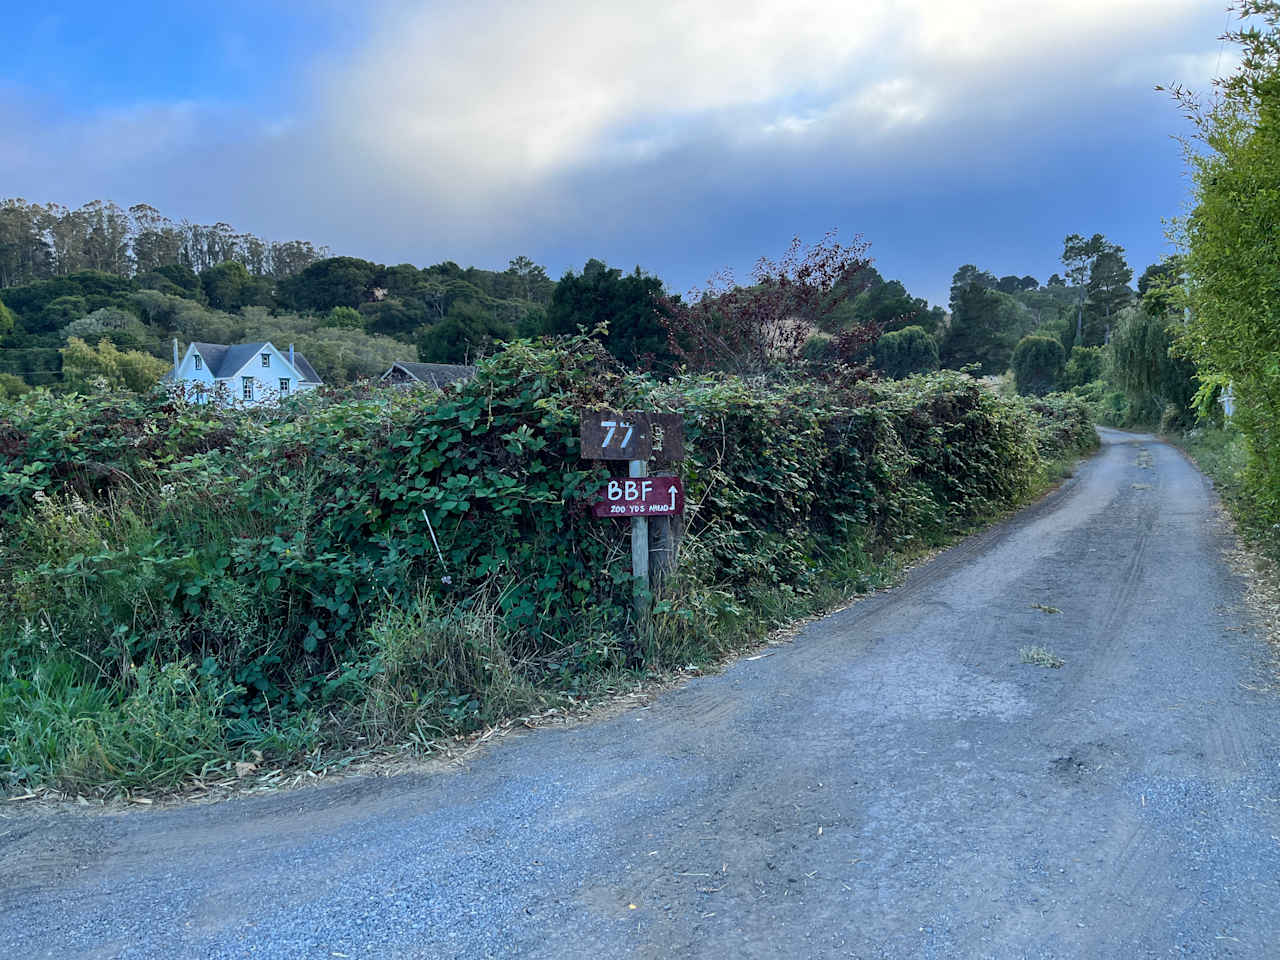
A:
{"x": 683, "y": 138}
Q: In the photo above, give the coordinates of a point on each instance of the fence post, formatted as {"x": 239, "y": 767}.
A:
{"x": 640, "y": 548}
{"x": 664, "y": 544}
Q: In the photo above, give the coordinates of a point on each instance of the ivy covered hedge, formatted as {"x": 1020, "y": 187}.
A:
{"x": 286, "y": 560}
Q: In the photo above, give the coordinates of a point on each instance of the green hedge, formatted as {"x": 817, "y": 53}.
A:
{"x": 1064, "y": 425}
{"x": 268, "y": 548}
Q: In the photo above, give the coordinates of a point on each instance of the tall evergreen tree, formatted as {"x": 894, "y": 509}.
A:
{"x": 629, "y": 304}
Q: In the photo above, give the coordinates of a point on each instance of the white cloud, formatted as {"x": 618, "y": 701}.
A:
{"x": 476, "y": 130}
{"x": 490, "y": 98}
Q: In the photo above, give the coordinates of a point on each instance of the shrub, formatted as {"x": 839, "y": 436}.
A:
{"x": 12, "y": 386}
{"x": 1085, "y": 365}
{"x": 1037, "y": 365}
{"x": 1231, "y": 259}
{"x": 819, "y": 348}
{"x": 345, "y": 317}
{"x": 904, "y": 352}
{"x": 1064, "y": 425}
{"x": 92, "y": 369}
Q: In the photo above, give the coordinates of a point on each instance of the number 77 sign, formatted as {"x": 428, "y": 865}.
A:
{"x": 640, "y": 497}
{"x": 616, "y": 435}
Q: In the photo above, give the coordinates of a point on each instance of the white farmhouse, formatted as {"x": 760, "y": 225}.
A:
{"x": 240, "y": 374}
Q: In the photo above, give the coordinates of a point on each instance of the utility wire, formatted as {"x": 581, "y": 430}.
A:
{"x": 1222, "y": 45}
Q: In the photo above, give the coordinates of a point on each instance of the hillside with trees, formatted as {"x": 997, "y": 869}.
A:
{"x": 93, "y": 298}
{"x": 92, "y": 291}
{"x": 96, "y": 287}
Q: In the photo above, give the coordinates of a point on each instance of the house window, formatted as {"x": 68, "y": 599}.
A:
{"x": 266, "y": 359}
{"x": 248, "y": 387}
{"x": 284, "y": 386}
{"x": 197, "y": 361}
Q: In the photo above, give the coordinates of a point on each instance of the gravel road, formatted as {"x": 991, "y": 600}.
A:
{"x": 896, "y": 783}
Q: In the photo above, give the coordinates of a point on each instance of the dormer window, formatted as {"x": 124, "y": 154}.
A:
{"x": 266, "y": 359}
{"x": 197, "y": 361}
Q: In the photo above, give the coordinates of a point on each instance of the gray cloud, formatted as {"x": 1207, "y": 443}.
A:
{"x": 477, "y": 131}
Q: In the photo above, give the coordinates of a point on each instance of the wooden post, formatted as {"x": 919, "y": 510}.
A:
{"x": 664, "y": 542}
{"x": 640, "y": 548}
{"x": 664, "y": 547}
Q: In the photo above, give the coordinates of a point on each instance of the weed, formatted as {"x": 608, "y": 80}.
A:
{"x": 1040, "y": 657}
{"x": 159, "y": 728}
{"x": 437, "y": 670}
{"x": 1044, "y": 609}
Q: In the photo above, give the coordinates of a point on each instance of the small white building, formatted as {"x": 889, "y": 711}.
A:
{"x": 240, "y": 374}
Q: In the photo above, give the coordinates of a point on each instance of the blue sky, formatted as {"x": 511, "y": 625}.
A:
{"x": 681, "y": 138}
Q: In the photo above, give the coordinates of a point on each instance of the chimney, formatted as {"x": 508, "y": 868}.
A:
{"x": 175, "y": 355}
{"x": 291, "y": 355}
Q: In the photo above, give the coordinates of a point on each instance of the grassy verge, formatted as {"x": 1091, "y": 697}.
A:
{"x": 1221, "y": 454}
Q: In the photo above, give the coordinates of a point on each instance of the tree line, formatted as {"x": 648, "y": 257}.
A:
{"x": 1231, "y": 325}
{"x": 106, "y": 292}
{"x": 44, "y": 241}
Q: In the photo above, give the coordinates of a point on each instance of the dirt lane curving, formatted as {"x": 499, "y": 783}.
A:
{"x": 898, "y": 782}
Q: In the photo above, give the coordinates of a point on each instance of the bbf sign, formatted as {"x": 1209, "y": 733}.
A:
{"x": 640, "y": 497}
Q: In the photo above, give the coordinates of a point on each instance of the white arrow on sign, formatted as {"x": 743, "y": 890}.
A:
{"x": 672, "y": 490}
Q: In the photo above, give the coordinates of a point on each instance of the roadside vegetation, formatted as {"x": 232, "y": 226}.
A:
{"x": 183, "y": 587}
{"x": 1232, "y": 266}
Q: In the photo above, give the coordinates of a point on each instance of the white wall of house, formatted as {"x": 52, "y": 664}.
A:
{"x": 265, "y": 379}
{"x": 197, "y": 382}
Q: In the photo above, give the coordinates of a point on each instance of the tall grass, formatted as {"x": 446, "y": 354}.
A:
{"x": 435, "y": 670}
{"x": 154, "y": 730}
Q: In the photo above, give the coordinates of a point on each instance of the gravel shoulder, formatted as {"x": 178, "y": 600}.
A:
{"x": 897, "y": 782}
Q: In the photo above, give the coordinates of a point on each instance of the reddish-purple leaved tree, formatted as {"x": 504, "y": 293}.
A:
{"x": 752, "y": 329}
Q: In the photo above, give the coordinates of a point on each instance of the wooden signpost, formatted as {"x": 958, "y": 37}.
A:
{"x": 637, "y": 436}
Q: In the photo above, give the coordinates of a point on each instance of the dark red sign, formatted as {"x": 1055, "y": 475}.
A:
{"x": 640, "y": 497}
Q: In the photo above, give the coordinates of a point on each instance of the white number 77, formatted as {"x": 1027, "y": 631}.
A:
{"x": 611, "y": 427}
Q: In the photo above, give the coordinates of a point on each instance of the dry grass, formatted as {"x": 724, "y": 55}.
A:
{"x": 1261, "y": 575}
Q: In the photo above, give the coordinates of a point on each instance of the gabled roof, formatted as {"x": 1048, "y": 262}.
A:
{"x": 213, "y": 354}
{"x": 237, "y": 355}
{"x": 304, "y": 367}
{"x": 226, "y": 361}
{"x": 438, "y": 375}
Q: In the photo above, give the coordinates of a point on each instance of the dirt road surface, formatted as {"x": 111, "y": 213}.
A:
{"x": 896, "y": 783}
